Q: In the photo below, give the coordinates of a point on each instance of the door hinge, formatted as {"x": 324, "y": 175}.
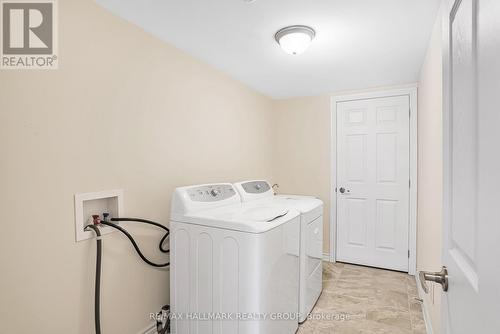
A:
{"x": 408, "y": 253}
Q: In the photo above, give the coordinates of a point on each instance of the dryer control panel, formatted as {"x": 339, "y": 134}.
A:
{"x": 255, "y": 187}
{"x": 211, "y": 193}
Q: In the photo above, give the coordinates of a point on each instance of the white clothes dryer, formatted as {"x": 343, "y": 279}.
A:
{"x": 311, "y": 236}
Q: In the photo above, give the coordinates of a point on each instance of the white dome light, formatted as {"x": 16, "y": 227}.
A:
{"x": 295, "y": 40}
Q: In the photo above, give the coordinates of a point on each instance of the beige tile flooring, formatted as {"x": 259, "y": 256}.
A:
{"x": 363, "y": 300}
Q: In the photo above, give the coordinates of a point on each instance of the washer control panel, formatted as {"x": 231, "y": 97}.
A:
{"x": 255, "y": 187}
{"x": 211, "y": 192}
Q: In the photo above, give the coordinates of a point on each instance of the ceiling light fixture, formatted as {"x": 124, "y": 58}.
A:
{"x": 295, "y": 40}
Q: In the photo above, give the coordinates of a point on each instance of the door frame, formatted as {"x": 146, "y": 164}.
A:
{"x": 411, "y": 92}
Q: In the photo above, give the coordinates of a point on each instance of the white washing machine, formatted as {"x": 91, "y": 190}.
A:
{"x": 234, "y": 266}
{"x": 311, "y": 237}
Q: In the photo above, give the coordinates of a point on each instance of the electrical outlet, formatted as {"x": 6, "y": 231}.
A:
{"x": 96, "y": 203}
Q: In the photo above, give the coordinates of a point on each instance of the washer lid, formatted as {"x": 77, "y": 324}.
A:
{"x": 244, "y": 218}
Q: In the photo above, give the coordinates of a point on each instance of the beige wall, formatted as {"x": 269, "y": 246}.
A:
{"x": 302, "y": 150}
{"x": 124, "y": 110}
{"x": 430, "y": 163}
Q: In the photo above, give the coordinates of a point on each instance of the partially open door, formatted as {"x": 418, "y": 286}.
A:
{"x": 471, "y": 235}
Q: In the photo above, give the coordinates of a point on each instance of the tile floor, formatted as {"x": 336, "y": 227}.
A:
{"x": 363, "y": 300}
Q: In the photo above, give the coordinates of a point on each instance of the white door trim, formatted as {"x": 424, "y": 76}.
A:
{"x": 411, "y": 91}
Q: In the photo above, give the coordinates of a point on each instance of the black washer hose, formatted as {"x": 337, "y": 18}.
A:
{"x": 97, "y": 293}
{"x": 97, "y": 312}
{"x": 121, "y": 229}
{"x": 145, "y": 221}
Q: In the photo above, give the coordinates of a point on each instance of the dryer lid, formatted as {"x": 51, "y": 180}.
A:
{"x": 259, "y": 214}
{"x": 244, "y": 218}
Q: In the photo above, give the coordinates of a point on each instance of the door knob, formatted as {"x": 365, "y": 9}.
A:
{"x": 343, "y": 190}
{"x": 438, "y": 277}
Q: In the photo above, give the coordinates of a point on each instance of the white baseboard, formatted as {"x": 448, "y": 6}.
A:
{"x": 151, "y": 329}
{"x": 425, "y": 307}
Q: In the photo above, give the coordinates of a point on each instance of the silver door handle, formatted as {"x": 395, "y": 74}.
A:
{"x": 343, "y": 190}
{"x": 440, "y": 277}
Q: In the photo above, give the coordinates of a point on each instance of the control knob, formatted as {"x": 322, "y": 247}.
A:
{"x": 214, "y": 192}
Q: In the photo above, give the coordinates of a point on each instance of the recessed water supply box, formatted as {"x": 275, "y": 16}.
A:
{"x": 96, "y": 203}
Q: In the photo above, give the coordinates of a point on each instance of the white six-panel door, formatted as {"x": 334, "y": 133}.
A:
{"x": 471, "y": 119}
{"x": 373, "y": 182}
